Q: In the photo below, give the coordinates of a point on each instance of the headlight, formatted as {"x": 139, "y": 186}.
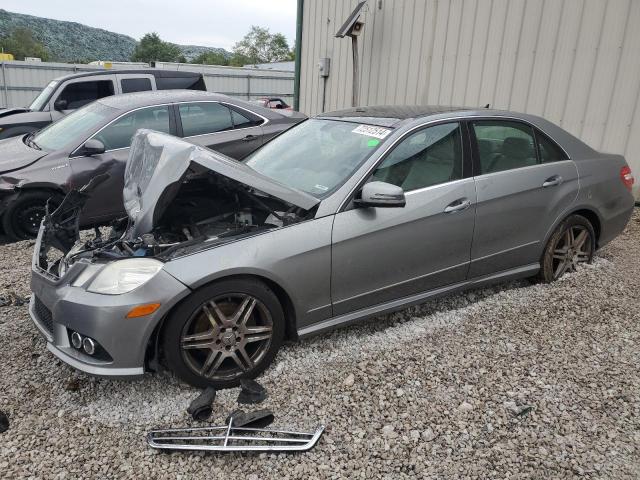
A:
{"x": 122, "y": 276}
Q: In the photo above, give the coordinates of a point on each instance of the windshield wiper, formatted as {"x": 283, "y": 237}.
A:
{"x": 30, "y": 143}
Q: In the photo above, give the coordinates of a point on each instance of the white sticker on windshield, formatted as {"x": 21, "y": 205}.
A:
{"x": 371, "y": 131}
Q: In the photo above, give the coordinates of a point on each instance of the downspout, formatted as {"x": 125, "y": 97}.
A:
{"x": 296, "y": 79}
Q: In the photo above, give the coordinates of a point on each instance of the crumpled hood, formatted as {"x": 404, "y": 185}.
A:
{"x": 14, "y": 154}
{"x": 158, "y": 162}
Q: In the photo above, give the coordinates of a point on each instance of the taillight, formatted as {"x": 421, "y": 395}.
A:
{"x": 627, "y": 177}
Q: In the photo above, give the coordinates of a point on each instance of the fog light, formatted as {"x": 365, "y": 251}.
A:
{"x": 89, "y": 346}
{"x": 76, "y": 340}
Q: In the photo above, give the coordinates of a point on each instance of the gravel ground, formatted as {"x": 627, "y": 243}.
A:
{"x": 515, "y": 381}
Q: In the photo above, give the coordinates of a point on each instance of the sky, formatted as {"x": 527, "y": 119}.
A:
{"x": 210, "y": 23}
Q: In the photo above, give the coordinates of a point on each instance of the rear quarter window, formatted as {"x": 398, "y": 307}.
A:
{"x": 549, "y": 150}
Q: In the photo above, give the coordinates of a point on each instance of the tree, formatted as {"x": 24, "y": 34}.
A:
{"x": 152, "y": 48}
{"x": 21, "y": 43}
{"x": 239, "y": 60}
{"x": 292, "y": 53}
{"x": 211, "y": 58}
{"x": 260, "y": 46}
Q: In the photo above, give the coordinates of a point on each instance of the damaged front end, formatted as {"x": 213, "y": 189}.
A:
{"x": 179, "y": 199}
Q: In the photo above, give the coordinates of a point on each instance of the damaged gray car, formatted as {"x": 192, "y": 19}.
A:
{"x": 341, "y": 218}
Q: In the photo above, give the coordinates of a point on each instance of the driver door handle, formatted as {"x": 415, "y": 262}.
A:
{"x": 249, "y": 138}
{"x": 552, "y": 181}
{"x": 457, "y": 206}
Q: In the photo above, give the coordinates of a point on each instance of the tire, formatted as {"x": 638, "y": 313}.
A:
{"x": 572, "y": 243}
{"x": 205, "y": 341}
{"x": 21, "y": 219}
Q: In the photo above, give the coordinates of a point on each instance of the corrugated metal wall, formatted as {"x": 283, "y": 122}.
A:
{"x": 20, "y": 82}
{"x": 574, "y": 62}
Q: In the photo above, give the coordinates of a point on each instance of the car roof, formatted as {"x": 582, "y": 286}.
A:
{"x": 393, "y": 115}
{"x": 390, "y": 115}
{"x": 129, "y": 101}
{"x": 399, "y": 115}
{"x": 159, "y": 73}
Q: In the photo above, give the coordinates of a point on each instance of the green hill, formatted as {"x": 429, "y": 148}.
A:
{"x": 74, "y": 42}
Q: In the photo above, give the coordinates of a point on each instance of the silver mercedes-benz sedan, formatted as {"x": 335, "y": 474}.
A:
{"x": 346, "y": 216}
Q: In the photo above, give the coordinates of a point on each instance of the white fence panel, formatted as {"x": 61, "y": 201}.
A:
{"x": 20, "y": 82}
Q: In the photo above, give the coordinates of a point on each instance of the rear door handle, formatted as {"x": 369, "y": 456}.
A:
{"x": 552, "y": 181}
{"x": 457, "y": 206}
{"x": 249, "y": 138}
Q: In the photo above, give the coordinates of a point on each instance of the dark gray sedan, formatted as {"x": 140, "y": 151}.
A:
{"x": 95, "y": 140}
{"x": 342, "y": 218}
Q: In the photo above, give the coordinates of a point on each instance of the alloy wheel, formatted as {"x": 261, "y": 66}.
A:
{"x": 572, "y": 248}
{"x": 227, "y": 336}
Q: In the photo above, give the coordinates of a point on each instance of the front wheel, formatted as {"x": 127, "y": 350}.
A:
{"x": 223, "y": 332}
{"x": 22, "y": 218}
{"x": 572, "y": 243}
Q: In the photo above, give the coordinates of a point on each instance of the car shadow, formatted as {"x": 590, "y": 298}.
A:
{"x": 4, "y": 240}
{"x": 449, "y": 303}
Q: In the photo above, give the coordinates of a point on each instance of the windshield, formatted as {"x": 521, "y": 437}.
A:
{"x": 73, "y": 128}
{"x": 41, "y": 100}
{"x": 317, "y": 156}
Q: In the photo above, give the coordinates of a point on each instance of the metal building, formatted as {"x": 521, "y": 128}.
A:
{"x": 574, "y": 62}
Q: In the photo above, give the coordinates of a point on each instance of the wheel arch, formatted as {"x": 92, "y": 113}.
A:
{"x": 587, "y": 212}
{"x": 594, "y": 220}
{"x": 41, "y": 186}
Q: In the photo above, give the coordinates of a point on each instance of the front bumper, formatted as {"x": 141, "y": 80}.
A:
{"x": 57, "y": 309}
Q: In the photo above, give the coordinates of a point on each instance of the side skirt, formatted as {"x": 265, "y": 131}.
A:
{"x": 400, "y": 303}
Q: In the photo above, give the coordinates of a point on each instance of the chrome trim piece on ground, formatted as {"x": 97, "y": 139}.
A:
{"x": 233, "y": 439}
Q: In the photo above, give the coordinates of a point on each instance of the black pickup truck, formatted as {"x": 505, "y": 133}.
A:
{"x": 70, "y": 92}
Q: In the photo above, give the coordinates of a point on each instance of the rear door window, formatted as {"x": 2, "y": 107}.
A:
{"x": 130, "y": 85}
{"x": 504, "y": 145}
{"x": 119, "y": 133}
{"x": 204, "y": 117}
{"x": 78, "y": 94}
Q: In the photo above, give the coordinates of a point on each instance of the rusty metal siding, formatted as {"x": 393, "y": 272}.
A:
{"x": 575, "y": 62}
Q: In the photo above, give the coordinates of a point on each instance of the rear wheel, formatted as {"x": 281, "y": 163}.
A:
{"x": 225, "y": 331}
{"x": 572, "y": 243}
{"x": 22, "y": 218}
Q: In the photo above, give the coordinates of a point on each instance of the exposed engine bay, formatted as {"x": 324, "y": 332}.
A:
{"x": 173, "y": 208}
{"x": 208, "y": 210}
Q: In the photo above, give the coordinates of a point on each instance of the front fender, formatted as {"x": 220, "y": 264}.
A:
{"x": 297, "y": 258}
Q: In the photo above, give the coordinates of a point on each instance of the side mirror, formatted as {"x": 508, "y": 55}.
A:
{"x": 92, "y": 147}
{"x": 382, "y": 195}
{"x": 60, "y": 104}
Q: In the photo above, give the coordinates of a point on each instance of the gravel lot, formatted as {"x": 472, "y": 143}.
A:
{"x": 517, "y": 381}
